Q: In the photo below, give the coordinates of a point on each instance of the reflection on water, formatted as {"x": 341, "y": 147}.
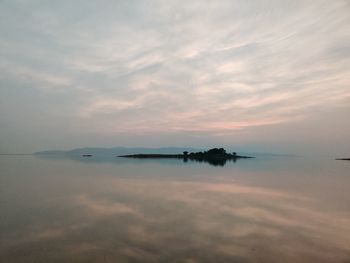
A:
{"x": 211, "y": 161}
{"x": 116, "y": 159}
{"x": 66, "y": 211}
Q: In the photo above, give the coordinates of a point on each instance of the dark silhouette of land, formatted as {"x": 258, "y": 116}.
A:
{"x": 215, "y": 156}
{"x": 343, "y": 159}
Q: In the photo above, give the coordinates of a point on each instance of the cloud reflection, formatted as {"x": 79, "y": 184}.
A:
{"x": 159, "y": 220}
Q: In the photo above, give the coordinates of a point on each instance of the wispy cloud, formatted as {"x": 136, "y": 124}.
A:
{"x": 213, "y": 67}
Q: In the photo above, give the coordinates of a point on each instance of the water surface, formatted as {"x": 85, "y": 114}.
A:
{"x": 289, "y": 209}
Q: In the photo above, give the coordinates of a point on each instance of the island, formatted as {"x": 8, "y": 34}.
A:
{"x": 343, "y": 159}
{"x": 215, "y": 156}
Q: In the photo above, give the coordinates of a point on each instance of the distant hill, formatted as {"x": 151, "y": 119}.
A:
{"x": 118, "y": 151}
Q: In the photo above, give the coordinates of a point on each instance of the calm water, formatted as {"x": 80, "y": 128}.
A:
{"x": 113, "y": 210}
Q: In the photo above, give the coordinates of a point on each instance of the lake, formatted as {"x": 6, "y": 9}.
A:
{"x": 268, "y": 209}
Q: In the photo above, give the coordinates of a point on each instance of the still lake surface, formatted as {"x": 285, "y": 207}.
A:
{"x": 269, "y": 209}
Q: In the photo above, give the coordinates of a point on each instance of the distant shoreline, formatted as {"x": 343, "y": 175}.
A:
{"x": 16, "y": 154}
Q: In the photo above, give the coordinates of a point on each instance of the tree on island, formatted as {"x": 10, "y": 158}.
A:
{"x": 219, "y": 151}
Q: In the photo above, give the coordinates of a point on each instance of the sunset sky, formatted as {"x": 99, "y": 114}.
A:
{"x": 258, "y": 75}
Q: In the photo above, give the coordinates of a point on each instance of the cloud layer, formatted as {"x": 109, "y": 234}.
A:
{"x": 212, "y": 69}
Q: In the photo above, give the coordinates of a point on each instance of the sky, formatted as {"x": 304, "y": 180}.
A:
{"x": 254, "y": 75}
